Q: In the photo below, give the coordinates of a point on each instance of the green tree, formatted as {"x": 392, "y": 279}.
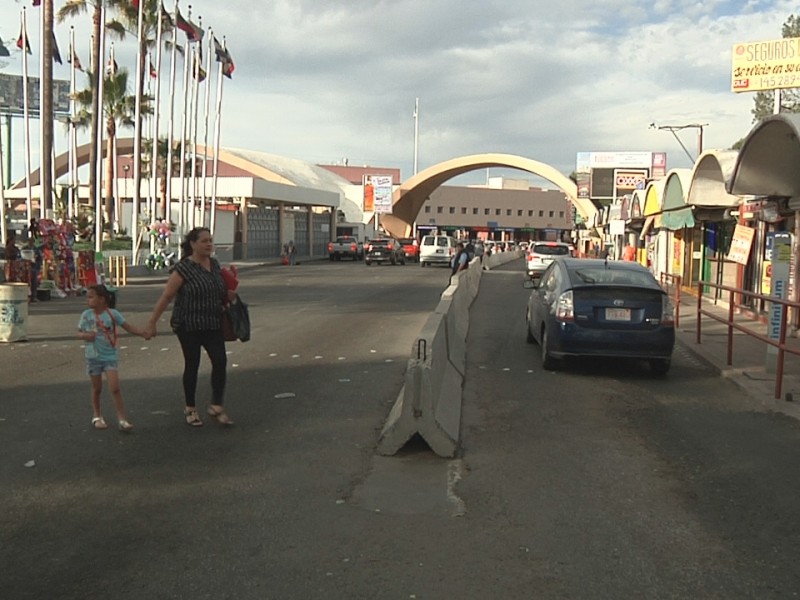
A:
{"x": 118, "y": 111}
{"x": 764, "y": 102}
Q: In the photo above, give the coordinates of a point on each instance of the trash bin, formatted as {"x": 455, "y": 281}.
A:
{"x": 13, "y": 312}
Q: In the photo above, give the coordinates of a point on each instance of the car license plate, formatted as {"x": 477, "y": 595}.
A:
{"x": 377, "y": 254}
{"x": 440, "y": 251}
{"x": 618, "y": 314}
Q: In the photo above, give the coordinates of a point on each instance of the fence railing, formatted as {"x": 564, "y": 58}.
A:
{"x": 778, "y": 316}
{"x": 672, "y": 284}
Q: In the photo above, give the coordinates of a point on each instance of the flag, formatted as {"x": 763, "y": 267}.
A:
{"x": 22, "y": 41}
{"x": 56, "y": 53}
{"x": 224, "y": 57}
{"x": 37, "y": 2}
{"x": 192, "y": 31}
{"x": 75, "y": 61}
{"x": 112, "y": 66}
{"x": 3, "y": 50}
{"x": 135, "y": 3}
{"x": 199, "y": 71}
{"x": 153, "y": 71}
{"x": 166, "y": 20}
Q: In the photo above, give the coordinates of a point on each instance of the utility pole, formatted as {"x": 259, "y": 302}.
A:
{"x": 673, "y": 129}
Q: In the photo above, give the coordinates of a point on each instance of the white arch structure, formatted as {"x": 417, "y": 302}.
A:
{"x": 408, "y": 199}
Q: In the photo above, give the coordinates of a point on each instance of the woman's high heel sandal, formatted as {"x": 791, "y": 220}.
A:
{"x": 220, "y": 415}
{"x": 192, "y": 418}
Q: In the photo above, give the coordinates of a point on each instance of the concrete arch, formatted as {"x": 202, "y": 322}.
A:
{"x": 675, "y": 187}
{"x": 710, "y": 174}
{"x": 408, "y": 199}
{"x": 769, "y": 161}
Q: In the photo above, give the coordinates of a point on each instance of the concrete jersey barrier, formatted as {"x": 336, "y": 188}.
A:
{"x": 430, "y": 402}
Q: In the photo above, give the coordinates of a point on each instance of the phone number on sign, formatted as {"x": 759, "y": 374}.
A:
{"x": 780, "y": 81}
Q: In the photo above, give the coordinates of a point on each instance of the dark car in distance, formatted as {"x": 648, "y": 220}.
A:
{"x": 384, "y": 250}
{"x": 410, "y": 248}
{"x": 589, "y": 307}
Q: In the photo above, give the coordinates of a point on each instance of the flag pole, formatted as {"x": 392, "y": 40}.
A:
{"x": 71, "y": 203}
{"x": 217, "y": 119}
{"x": 26, "y": 117}
{"x": 207, "y": 102}
{"x": 170, "y": 132}
{"x": 184, "y": 125}
{"x": 3, "y": 227}
{"x": 137, "y": 139}
{"x": 156, "y": 123}
{"x": 196, "y": 69}
{"x": 42, "y": 150}
{"x": 98, "y": 194}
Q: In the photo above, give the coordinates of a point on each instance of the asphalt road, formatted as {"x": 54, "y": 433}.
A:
{"x": 599, "y": 481}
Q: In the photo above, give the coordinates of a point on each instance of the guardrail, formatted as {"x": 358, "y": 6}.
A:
{"x": 730, "y": 321}
{"x": 670, "y": 282}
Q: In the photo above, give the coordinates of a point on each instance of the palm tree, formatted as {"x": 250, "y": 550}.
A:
{"x": 118, "y": 111}
{"x": 75, "y": 8}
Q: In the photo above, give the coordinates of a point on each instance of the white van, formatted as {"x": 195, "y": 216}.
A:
{"x": 436, "y": 249}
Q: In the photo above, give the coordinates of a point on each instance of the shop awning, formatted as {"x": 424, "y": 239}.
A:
{"x": 678, "y": 219}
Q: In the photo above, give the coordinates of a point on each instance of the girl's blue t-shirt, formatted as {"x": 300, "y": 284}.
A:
{"x": 104, "y": 346}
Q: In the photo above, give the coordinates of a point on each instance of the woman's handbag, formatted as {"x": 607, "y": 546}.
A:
{"x": 236, "y": 321}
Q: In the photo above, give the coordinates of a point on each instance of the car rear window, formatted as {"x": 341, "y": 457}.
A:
{"x": 555, "y": 250}
{"x": 613, "y": 276}
{"x": 379, "y": 242}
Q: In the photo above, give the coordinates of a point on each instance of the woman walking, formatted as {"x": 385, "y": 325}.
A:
{"x": 199, "y": 291}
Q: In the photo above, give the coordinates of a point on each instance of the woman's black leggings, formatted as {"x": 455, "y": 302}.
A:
{"x": 214, "y": 343}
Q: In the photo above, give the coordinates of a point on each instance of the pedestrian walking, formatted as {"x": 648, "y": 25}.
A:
{"x": 460, "y": 259}
{"x": 291, "y": 251}
{"x": 197, "y": 286}
{"x": 97, "y": 327}
{"x": 37, "y": 260}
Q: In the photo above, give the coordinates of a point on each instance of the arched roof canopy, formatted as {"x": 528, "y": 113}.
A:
{"x": 675, "y": 188}
{"x": 654, "y": 193}
{"x": 408, "y": 199}
{"x": 710, "y": 174}
{"x": 769, "y": 160}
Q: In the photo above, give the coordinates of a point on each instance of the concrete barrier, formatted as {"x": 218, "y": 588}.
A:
{"x": 500, "y": 258}
{"x": 430, "y": 402}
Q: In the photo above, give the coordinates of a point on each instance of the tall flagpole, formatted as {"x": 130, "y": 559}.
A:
{"x": 98, "y": 193}
{"x": 196, "y": 67}
{"x": 207, "y": 102}
{"x": 3, "y": 227}
{"x": 184, "y": 125}
{"x": 170, "y": 133}
{"x": 217, "y": 120}
{"x": 26, "y": 117}
{"x": 71, "y": 199}
{"x": 156, "y": 122}
{"x": 42, "y": 150}
{"x": 137, "y": 138}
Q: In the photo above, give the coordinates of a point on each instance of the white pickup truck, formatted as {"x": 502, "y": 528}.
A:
{"x": 345, "y": 247}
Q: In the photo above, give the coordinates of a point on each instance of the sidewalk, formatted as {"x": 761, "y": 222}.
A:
{"x": 748, "y": 370}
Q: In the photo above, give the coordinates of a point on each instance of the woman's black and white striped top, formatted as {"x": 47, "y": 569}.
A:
{"x": 198, "y": 305}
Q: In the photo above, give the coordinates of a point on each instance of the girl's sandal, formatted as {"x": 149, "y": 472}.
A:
{"x": 125, "y": 426}
{"x": 192, "y": 418}
{"x": 220, "y": 415}
{"x": 99, "y": 423}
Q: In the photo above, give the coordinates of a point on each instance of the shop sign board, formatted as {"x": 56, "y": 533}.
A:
{"x": 769, "y": 65}
{"x": 741, "y": 243}
{"x": 779, "y": 285}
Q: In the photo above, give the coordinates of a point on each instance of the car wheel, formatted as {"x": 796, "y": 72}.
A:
{"x": 660, "y": 366}
{"x": 393, "y": 260}
{"x": 330, "y": 257}
{"x": 548, "y": 362}
{"x": 422, "y": 263}
{"x": 530, "y": 339}
{"x": 369, "y": 262}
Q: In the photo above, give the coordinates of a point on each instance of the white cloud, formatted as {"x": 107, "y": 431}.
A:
{"x": 321, "y": 80}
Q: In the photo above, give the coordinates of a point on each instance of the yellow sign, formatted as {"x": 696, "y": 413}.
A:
{"x": 766, "y": 65}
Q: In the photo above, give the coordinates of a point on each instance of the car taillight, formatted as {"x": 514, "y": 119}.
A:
{"x": 369, "y": 247}
{"x": 565, "y": 308}
{"x": 667, "y": 311}
{"x": 388, "y": 246}
{"x": 353, "y": 247}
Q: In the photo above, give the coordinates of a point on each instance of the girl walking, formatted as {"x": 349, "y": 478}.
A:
{"x": 98, "y": 328}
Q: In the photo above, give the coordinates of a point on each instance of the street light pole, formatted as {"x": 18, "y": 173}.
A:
{"x": 675, "y": 128}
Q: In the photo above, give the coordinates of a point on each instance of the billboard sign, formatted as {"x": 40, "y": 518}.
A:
{"x": 11, "y": 96}
{"x": 382, "y": 192}
{"x": 770, "y": 65}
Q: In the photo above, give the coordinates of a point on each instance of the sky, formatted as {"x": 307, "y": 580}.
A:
{"x": 326, "y": 81}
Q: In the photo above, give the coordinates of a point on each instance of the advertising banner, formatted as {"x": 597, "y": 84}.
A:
{"x": 769, "y": 65}
{"x": 741, "y": 243}
{"x": 383, "y": 193}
